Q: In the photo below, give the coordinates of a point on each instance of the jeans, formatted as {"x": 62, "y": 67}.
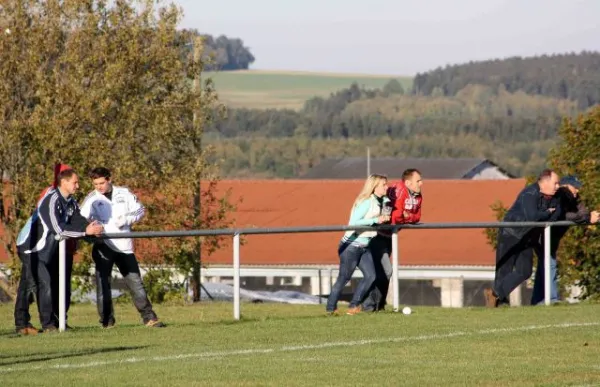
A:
{"x": 39, "y": 276}
{"x": 105, "y": 258}
{"x": 514, "y": 263}
{"x": 381, "y": 249}
{"x": 538, "y": 294}
{"x": 352, "y": 256}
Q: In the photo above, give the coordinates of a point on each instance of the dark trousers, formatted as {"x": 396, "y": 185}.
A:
{"x": 105, "y": 258}
{"x": 381, "y": 250}
{"x": 39, "y": 277}
{"x": 28, "y": 287}
{"x": 514, "y": 264}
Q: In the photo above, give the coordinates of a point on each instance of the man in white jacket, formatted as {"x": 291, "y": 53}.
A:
{"x": 117, "y": 209}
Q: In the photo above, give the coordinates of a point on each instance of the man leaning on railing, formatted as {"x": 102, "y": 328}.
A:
{"x": 56, "y": 215}
{"x": 406, "y": 201}
{"x": 574, "y": 210}
{"x": 514, "y": 253}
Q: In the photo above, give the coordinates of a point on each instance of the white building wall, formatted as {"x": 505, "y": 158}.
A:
{"x": 487, "y": 171}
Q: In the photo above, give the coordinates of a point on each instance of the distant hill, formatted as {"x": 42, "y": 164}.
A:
{"x": 257, "y": 89}
{"x": 571, "y": 76}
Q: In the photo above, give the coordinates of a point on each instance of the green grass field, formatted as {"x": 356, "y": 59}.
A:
{"x": 280, "y": 89}
{"x": 298, "y": 345}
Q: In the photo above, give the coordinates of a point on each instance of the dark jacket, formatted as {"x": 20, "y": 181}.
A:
{"x": 54, "y": 216}
{"x": 573, "y": 210}
{"x": 531, "y": 206}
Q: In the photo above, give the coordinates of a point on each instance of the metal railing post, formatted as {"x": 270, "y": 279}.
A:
{"x": 395, "y": 287}
{"x": 236, "y": 276}
{"x": 547, "y": 279}
{"x": 320, "y": 288}
{"x": 62, "y": 285}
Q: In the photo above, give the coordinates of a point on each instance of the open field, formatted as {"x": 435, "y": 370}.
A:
{"x": 298, "y": 345}
{"x": 287, "y": 89}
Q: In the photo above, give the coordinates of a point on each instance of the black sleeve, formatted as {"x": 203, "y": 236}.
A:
{"x": 554, "y": 216}
{"x": 531, "y": 211}
{"x": 49, "y": 211}
{"x": 78, "y": 223}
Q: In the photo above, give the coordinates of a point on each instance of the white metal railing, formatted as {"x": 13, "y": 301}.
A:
{"x": 292, "y": 230}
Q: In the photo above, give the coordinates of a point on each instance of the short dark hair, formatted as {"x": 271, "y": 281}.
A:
{"x": 545, "y": 174}
{"x": 67, "y": 174}
{"x": 407, "y": 174}
{"x": 99, "y": 172}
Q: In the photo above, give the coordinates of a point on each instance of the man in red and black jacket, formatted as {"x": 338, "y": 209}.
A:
{"x": 405, "y": 199}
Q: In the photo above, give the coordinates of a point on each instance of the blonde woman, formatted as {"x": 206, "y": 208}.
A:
{"x": 353, "y": 251}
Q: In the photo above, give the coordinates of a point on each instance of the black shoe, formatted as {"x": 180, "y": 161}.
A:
{"x": 108, "y": 324}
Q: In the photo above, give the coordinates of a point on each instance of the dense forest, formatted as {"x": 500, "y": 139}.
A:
{"x": 493, "y": 114}
{"x": 515, "y": 130}
{"x": 223, "y": 53}
{"x": 569, "y": 76}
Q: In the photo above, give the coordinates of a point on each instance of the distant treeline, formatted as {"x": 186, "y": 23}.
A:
{"x": 277, "y": 157}
{"x": 492, "y": 114}
{"x": 223, "y": 53}
{"x": 569, "y": 76}
{"x": 516, "y": 130}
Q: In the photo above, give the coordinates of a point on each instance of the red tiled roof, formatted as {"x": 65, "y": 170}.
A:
{"x": 289, "y": 203}
{"x": 293, "y": 203}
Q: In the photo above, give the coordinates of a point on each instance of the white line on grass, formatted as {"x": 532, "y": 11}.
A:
{"x": 292, "y": 348}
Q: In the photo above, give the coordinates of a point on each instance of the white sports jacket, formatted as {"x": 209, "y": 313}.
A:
{"x": 117, "y": 215}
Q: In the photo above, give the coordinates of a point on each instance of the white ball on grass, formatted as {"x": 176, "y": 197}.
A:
{"x": 406, "y": 310}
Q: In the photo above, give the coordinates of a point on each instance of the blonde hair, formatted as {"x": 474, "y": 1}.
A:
{"x": 367, "y": 190}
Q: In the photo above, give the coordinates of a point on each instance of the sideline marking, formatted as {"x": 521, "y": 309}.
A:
{"x": 291, "y": 348}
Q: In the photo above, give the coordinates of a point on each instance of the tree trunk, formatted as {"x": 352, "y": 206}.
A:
{"x": 197, "y": 263}
{"x": 195, "y": 282}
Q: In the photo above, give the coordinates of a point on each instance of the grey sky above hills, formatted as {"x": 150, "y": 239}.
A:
{"x": 396, "y": 36}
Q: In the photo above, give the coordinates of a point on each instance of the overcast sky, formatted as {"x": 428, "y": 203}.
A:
{"x": 399, "y": 37}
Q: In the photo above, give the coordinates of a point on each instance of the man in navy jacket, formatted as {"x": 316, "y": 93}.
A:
{"x": 514, "y": 252}
{"x": 57, "y": 216}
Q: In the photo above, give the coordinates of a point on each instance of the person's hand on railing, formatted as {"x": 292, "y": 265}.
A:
{"x": 94, "y": 228}
{"x": 383, "y": 219}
